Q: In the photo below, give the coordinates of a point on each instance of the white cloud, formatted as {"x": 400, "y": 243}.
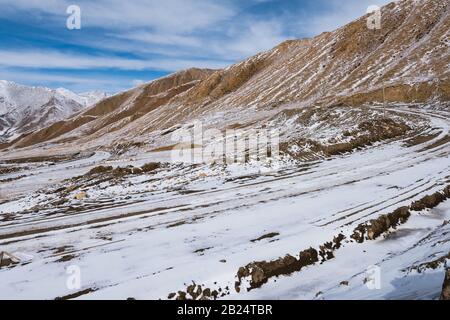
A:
{"x": 161, "y": 38}
{"x": 178, "y": 16}
{"x": 59, "y": 60}
{"x": 255, "y": 37}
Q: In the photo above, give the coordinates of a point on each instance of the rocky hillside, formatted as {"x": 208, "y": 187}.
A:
{"x": 407, "y": 60}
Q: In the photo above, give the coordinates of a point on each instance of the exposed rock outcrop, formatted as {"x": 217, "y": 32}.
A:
{"x": 446, "y": 286}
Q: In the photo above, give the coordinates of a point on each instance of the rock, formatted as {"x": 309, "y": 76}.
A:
{"x": 237, "y": 286}
{"x": 207, "y": 293}
{"x": 181, "y": 295}
{"x": 150, "y": 167}
{"x": 376, "y": 227}
{"x": 447, "y": 191}
{"x": 191, "y": 290}
{"x": 338, "y": 241}
{"x": 171, "y": 295}
{"x": 260, "y": 272}
{"x": 429, "y": 202}
{"x": 7, "y": 259}
{"x": 326, "y": 251}
{"x": 80, "y": 195}
{"x": 446, "y": 286}
{"x": 121, "y": 172}
{"x": 308, "y": 257}
{"x": 99, "y": 170}
{"x": 60, "y": 202}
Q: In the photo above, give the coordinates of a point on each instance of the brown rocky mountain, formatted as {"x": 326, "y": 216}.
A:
{"x": 408, "y": 57}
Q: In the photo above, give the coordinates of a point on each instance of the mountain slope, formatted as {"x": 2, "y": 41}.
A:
{"x": 409, "y": 56}
{"x": 25, "y": 109}
{"x": 117, "y": 111}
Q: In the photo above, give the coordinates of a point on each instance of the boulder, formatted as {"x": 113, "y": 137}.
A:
{"x": 80, "y": 196}
{"x": 446, "y": 286}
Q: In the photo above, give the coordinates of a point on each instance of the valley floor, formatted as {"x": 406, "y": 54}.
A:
{"x": 154, "y": 234}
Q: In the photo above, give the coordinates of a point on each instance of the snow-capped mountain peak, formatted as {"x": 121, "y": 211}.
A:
{"x": 24, "y": 109}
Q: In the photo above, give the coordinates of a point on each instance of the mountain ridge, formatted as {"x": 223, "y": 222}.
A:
{"x": 24, "y": 109}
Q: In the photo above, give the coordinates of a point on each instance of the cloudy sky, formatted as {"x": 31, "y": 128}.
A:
{"x": 124, "y": 43}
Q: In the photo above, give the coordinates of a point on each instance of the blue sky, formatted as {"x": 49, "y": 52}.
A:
{"x": 124, "y": 43}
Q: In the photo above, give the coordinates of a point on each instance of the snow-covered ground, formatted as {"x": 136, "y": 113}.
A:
{"x": 152, "y": 234}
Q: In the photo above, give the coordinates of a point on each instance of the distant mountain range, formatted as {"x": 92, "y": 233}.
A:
{"x": 25, "y": 109}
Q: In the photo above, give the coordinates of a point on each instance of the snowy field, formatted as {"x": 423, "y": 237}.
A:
{"x": 154, "y": 234}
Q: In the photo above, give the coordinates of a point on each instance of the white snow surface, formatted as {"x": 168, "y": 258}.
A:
{"x": 153, "y": 234}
